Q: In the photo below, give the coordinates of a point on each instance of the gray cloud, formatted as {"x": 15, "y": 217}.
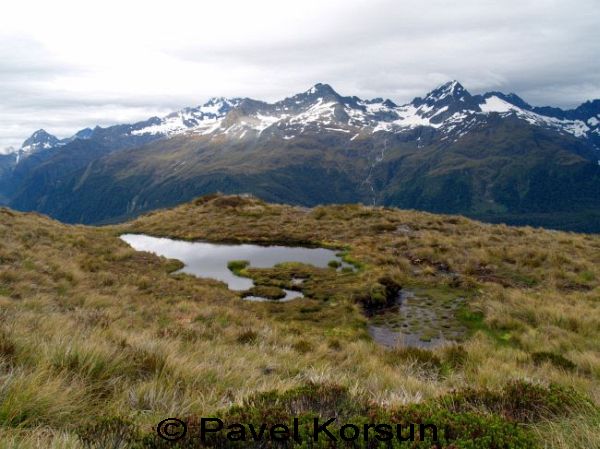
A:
{"x": 545, "y": 51}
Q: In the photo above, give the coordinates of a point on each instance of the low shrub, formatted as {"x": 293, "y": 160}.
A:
{"x": 518, "y": 401}
{"x": 114, "y": 433}
{"x": 466, "y": 430}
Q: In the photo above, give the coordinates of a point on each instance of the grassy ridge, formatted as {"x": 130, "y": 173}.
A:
{"x": 92, "y": 331}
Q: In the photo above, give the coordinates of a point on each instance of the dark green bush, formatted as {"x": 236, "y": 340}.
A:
{"x": 466, "y": 430}
{"x": 113, "y": 433}
{"x": 518, "y": 401}
{"x": 467, "y": 419}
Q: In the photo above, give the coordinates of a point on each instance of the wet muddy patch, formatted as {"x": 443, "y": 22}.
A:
{"x": 418, "y": 319}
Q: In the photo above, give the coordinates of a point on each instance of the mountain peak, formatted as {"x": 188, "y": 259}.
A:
{"x": 41, "y": 134}
{"x": 445, "y": 100}
{"x": 449, "y": 89}
{"x": 215, "y": 101}
{"x": 39, "y": 140}
{"x": 316, "y": 94}
{"x": 511, "y": 98}
{"x": 217, "y": 106}
{"x": 321, "y": 89}
{"x": 84, "y": 133}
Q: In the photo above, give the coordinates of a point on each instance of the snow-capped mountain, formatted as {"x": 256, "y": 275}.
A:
{"x": 39, "y": 140}
{"x": 449, "y": 108}
{"x": 489, "y": 155}
{"x": 585, "y": 127}
{"x": 201, "y": 119}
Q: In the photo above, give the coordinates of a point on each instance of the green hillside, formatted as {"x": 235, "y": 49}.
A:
{"x": 503, "y": 170}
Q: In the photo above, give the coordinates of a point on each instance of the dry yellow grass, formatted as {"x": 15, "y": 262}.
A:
{"x": 90, "y": 328}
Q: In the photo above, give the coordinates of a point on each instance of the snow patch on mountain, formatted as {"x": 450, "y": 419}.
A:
{"x": 448, "y": 109}
{"x": 495, "y": 104}
{"x": 321, "y": 111}
{"x": 577, "y": 128}
{"x": 202, "y": 119}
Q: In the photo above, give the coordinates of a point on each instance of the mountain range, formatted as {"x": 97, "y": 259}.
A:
{"x": 490, "y": 156}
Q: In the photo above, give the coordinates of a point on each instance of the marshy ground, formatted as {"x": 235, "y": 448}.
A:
{"x": 418, "y": 319}
{"x": 93, "y": 332}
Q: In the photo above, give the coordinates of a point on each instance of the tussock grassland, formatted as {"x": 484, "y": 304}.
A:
{"x": 92, "y": 331}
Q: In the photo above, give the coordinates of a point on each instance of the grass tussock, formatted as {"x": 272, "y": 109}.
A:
{"x": 92, "y": 332}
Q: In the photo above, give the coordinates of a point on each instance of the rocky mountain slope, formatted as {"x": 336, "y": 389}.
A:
{"x": 491, "y": 156}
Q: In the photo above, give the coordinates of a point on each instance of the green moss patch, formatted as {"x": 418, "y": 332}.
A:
{"x": 237, "y": 266}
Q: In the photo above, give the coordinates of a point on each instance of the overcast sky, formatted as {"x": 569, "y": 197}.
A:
{"x": 66, "y": 65}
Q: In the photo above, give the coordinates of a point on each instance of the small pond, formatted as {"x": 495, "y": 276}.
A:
{"x": 417, "y": 320}
{"x": 210, "y": 260}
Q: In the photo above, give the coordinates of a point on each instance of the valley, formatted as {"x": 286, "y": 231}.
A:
{"x": 489, "y": 156}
